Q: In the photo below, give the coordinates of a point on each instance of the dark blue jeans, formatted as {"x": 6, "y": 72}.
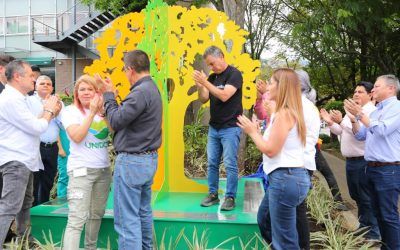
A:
{"x": 276, "y": 218}
{"x": 359, "y": 192}
{"x": 384, "y": 186}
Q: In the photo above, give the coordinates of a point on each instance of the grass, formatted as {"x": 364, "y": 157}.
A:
{"x": 196, "y": 241}
{"x": 334, "y": 237}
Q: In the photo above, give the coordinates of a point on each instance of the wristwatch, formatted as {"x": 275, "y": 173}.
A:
{"x": 359, "y": 116}
{"x": 49, "y": 111}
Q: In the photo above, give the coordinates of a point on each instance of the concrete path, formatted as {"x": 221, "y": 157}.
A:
{"x": 338, "y": 168}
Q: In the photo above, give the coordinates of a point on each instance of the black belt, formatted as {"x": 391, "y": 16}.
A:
{"x": 356, "y": 158}
{"x": 382, "y": 164}
{"x": 48, "y": 144}
{"x": 147, "y": 152}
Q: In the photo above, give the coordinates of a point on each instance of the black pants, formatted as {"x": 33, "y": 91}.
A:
{"x": 302, "y": 225}
{"x": 44, "y": 179}
{"x": 1, "y": 184}
{"x": 323, "y": 167}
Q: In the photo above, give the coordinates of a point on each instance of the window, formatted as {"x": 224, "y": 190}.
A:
{"x": 12, "y": 26}
{"x": 1, "y": 26}
{"x": 17, "y": 25}
{"x": 44, "y": 24}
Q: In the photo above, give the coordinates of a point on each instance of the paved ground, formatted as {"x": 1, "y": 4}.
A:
{"x": 338, "y": 168}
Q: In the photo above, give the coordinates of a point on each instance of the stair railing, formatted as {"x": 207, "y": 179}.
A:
{"x": 63, "y": 21}
{"x": 38, "y": 27}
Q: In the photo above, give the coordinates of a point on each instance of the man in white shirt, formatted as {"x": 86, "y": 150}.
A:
{"x": 353, "y": 150}
{"x": 44, "y": 179}
{"x": 19, "y": 144}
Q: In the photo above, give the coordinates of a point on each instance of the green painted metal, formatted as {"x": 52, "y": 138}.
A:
{"x": 40, "y": 61}
{"x": 173, "y": 212}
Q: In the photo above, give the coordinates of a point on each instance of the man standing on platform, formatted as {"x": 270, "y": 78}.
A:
{"x": 19, "y": 145}
{"x": 44, "y": 179}
{"x": 137, "y": 125}
{"x": 381, "y": 130}
{"x": 224, "y": 90}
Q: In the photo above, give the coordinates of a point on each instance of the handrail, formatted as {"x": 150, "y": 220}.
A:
{"x": 66, "y": 19}
{"x": 46, "y": 27}
{"x": 72, "y": 16}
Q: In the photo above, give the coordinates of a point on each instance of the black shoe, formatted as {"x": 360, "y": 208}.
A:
{"x": 229, "y": 204}
{"x": 210, "y": 200}
{"x": 10, "y": 235}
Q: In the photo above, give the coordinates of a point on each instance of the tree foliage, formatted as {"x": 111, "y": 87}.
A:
{"x": 344, "y": 41}
{"x": 261, "y": 21}
{"x": 126, "y": 6}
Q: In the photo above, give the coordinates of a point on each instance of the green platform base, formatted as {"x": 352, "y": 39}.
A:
{"x": 173, "y": 212}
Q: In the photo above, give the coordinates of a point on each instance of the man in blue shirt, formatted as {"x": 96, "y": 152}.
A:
{"x": 44, "y": 178}
{"x": 381, "y": 130}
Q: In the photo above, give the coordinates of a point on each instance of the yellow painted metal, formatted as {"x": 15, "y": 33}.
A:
{"x": 189, "y": 33}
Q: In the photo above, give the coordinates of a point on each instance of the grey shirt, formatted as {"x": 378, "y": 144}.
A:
{"x": 137, "y": 120}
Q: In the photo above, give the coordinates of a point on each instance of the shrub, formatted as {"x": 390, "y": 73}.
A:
{"x": 67, "y": 100}
{"x": 338, "y": 105}
{"x": 325, "y": 138}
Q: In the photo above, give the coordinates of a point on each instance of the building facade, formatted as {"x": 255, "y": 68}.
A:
{"x": 21, "y": 20}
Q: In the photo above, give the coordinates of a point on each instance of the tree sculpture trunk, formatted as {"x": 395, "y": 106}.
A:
{"x": 235, "y": 9}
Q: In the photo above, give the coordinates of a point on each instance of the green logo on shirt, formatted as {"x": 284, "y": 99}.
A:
{"x": 93, "y": 145}
{"x": 99, "y": 129}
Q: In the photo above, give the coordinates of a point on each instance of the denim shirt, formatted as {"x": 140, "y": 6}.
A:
{"x": 383, "y": 134}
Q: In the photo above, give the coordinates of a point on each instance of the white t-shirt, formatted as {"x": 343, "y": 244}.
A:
{"x": 92, "y": 151}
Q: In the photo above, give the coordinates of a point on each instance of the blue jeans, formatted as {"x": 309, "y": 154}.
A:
{"x": 384, "y": 187}
{"x": 133, "y": 218}
{"x": 358, "y": 189}
{"x": 288, "y": 187}
{"x": 223, "y": 142}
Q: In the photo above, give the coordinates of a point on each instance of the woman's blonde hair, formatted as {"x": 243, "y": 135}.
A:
{"x": 289, "y": 98}
{"x": 83, "y": 79}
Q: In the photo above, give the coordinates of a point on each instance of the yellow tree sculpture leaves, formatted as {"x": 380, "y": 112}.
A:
{"x": 188, "y": 32}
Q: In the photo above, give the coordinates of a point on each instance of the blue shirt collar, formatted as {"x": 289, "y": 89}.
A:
{"x": 386, "y": 102}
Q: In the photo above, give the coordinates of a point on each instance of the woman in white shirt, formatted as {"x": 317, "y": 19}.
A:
{"x": 88, "y": 164}
{"x": 283, "y": 158}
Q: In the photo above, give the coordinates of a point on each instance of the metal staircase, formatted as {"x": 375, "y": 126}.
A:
{"x": 71, "y": 28}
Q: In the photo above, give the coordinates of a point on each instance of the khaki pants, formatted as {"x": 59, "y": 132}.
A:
{"x": 87, "y": 197}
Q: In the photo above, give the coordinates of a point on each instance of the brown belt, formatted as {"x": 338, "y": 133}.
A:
{"x": 381, "y": 164}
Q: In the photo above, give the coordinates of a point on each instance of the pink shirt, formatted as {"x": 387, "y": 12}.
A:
{"x": 349, "y": 145}
{"x": 259, "y": 108}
